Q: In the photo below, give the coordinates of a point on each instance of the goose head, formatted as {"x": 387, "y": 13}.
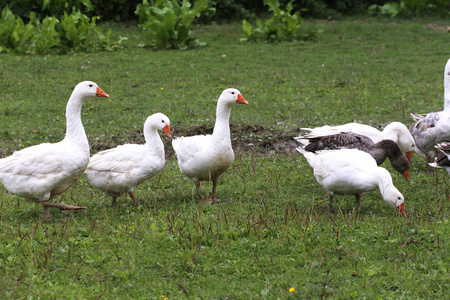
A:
{"x": 231, "y": 96}
{"x": 159, "y": 121}
{"x": 401, "y": 164}
{"x": 394, "y": 198}
{"x": 89, "y": 89}
{"x": 400, "y": 134}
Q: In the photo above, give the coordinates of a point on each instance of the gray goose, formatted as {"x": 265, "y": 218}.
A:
{"x": 433, "y": 128}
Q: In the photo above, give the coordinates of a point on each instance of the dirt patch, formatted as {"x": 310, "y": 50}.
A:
{"x": 440, "y": 27}
{"x": 244, "y": 138}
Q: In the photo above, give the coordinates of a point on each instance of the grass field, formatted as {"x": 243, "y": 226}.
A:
{"x": 271, "y": 235}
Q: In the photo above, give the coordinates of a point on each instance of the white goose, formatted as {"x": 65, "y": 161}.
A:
{"x": 352, "y": 172}
{"x": 433, "y": 128}
{"x": 40, "y": 172}
{"x": 395, "y": 131}
{"x": 206, "y": 157}
{"x": 349, "y": 140}
{"x": 119, "y": 170}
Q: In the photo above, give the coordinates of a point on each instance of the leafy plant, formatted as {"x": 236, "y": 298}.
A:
{"x": 282, "y": 26}
{"x": 74, "y": 32}
{"x": 14, "y": 34}
{"x": 45, "y": 36}
{"x": 388, "y": 9}
{"x": 47, "y": 8}
{"x": 167, "y": 23}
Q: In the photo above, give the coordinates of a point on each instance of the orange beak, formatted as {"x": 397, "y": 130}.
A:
{"x": 166, "y": 130}
{"x": 409, "y": 155}
{"x": 406, "y": 175}
{"x": 401, "y": 209}
{"x": 101, "y": 93}
{"x": 241, "y": 100}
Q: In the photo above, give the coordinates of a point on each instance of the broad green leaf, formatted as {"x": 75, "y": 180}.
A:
{"x": 273, "y": 5}
{"x": 88, "y": 4}
{"x": 247, "y": 27}
{"x": 200, "y": 5}
{"x": 289, "y": 7}
{"x": 156, "y": 13}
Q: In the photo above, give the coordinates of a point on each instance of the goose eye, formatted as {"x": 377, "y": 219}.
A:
{"x": 91, "y": 85}
{"x": 232, "y": 93}
{"x": 162, "y": 121}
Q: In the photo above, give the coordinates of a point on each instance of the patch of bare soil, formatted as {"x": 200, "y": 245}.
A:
{"x": 245, "y": 138}
{"x": 440, "y": 27}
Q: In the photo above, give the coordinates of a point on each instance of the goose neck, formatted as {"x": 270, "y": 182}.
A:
{"x": 390, "y": 147}
{"x": 447, "y": 92}
{"x": 379, "y": 154}
{"x": 74, "y": 127}
{"x": 384, "y": 181}
{"x": 153, "y": 141}
{"x": 222, "y": 125}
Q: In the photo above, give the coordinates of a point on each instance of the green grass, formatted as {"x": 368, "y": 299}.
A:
{"x": 271, "y": 232}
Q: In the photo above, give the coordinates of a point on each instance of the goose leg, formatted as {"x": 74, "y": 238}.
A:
{"x": 136, "y": 203}
{"x": 430, "y": 170}
{"x": 212, "y": 197}
{"x": 46, "y": 215}
{"x": 197, "y": 185}
{"x": 330, "y": 203}
{"x": 114, "y": 202}
{"x": 60, "y": 205}
{"x": 358, "y": 201}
